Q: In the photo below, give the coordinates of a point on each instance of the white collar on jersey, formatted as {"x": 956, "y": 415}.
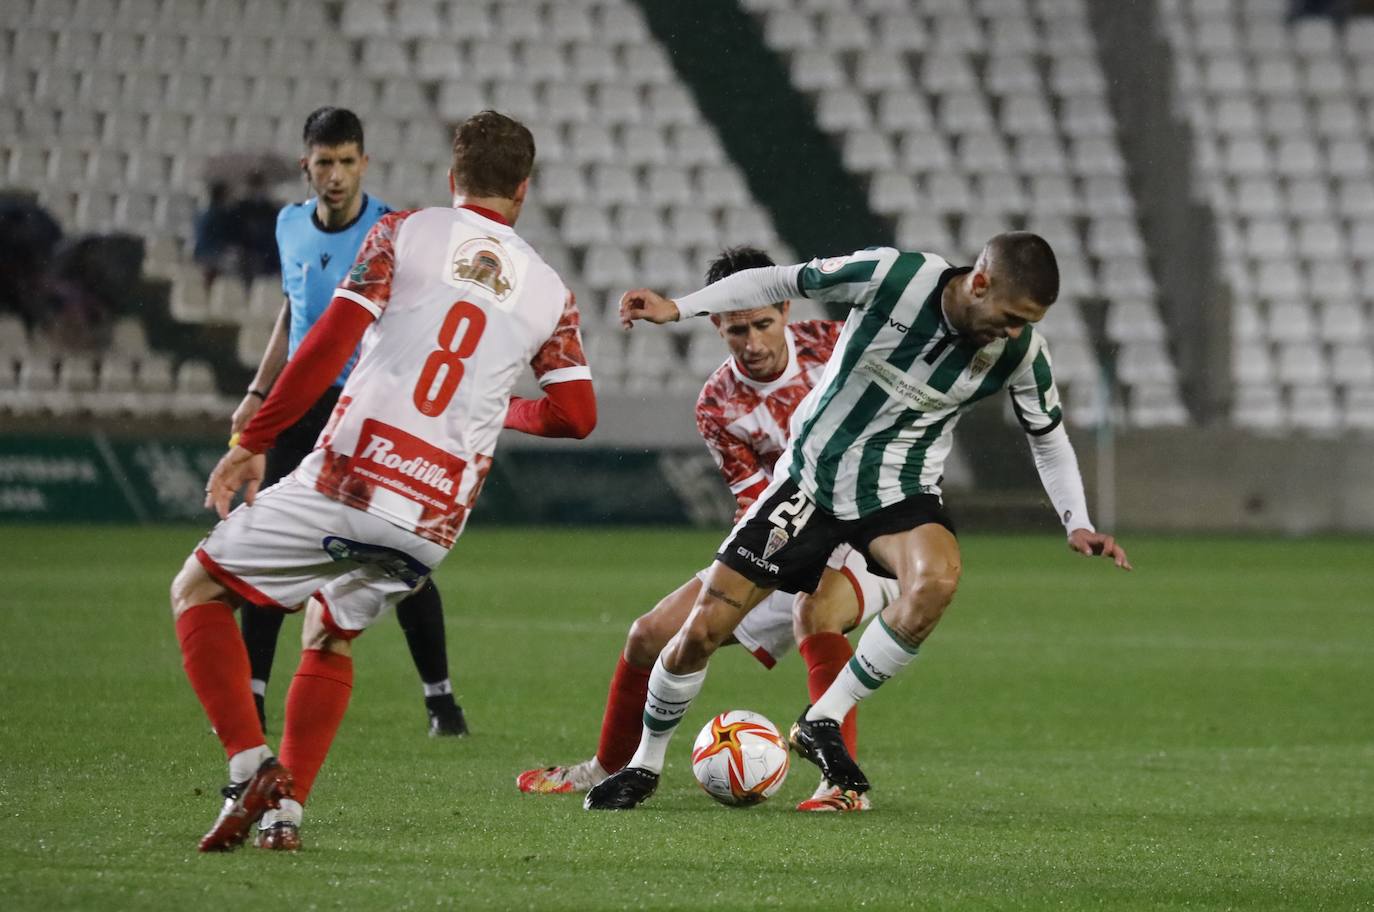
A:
{"x": 782, "y": 379}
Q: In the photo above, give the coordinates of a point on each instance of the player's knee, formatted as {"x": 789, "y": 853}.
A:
{"x": 314, "y": 632}
{"x": 189, "y": 587}
{"x": 932, "y": 581}
{"x": 336, "y": 645}
{"x": 646, "y": 640}
{"x": 934, "y": 586}
{"x": 697, "y": 639}
{"x": 926, "y": 592}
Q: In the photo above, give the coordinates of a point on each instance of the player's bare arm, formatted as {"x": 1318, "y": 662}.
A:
{"x": 1090, "y": 544}
{"x": 273, "y": 360}
{"x": 650, "y": 306}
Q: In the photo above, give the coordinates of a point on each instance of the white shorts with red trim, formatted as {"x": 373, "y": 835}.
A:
{"x": 767, "y": 630}
{"x": 294, "y": 543}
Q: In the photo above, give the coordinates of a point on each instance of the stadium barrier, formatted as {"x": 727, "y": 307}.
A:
{"x": 97, "y": 478}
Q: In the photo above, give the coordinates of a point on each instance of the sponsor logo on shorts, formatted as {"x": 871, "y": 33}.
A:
{"x": 777, "y": 538}
{"x": 390, "y": 458}
{"x": 759, "y": 562}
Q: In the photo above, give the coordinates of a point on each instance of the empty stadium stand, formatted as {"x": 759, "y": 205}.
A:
{"x": 972, "y": 118}
{"x": 960, "y": 118}
{"x": 1280, "y": 115}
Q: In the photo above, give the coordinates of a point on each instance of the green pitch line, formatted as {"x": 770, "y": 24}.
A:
{"x": 1196, "y": 735}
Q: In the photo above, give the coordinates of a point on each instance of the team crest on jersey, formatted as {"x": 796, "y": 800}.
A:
{"x": 777, "y": 539}
{"x": 980, "y": 363}
{"x": 483, "y": 261}
{"x": 832, "y": 264}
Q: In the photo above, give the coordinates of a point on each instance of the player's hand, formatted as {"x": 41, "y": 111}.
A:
{"x": 643, "y": 304}
{"x": 1091, "y": 543}
{"x": 237, "y": 468}
{"x": 244, "y": 414}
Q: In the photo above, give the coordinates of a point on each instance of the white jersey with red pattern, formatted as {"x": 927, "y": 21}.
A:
{"x": 745, "y": 421}
{"x": 462, "y": 305}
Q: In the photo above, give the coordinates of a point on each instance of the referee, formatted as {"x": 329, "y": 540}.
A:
{"x": 318, "y": 241}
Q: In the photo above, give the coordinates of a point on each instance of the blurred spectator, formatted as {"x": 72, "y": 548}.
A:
{"x": 93, "y": 279}
{"x": 255, "y": 229}
{"x": 214, "y": 233}
{"x": 1340, "y": 10}
{"x": 28, "y": 235}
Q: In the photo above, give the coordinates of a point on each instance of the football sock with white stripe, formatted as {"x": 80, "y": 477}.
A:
{"x": 438, "y": 688}
{"x": 879, "y": 656}
{"x": 669, "y": 697}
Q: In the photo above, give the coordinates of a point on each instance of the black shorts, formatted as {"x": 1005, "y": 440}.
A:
{"x": 296, "y": 442}
{"x": 785, "y": 540}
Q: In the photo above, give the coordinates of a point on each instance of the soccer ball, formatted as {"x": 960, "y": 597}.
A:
{"x": 739, "y": 758}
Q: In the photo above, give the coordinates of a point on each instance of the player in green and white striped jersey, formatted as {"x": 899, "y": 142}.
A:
{"x": 868, "y": 444}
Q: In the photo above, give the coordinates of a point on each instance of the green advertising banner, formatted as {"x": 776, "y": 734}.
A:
{"x": 95, "y": 478}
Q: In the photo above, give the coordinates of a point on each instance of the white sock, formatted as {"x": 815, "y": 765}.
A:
{"x": 437, "y": 689}
{"x": 289, "y": 812}
{"x": 879, "y": 656}
{"x": 245, "y": 763}
{"x": 259, "y": 687}
{"x": 669, "y": 697}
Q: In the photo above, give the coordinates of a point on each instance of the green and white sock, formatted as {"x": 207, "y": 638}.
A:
{"x": 669, "y": 697}
{"x": 879, "y": 656}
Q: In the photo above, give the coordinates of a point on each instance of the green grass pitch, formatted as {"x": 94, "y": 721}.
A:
{"x": 1196, "y": 735}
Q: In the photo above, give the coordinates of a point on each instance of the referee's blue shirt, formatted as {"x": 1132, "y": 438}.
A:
{"x": 314, "y": 261}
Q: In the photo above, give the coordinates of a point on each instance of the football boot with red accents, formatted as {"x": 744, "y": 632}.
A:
{"x": 244, "y": 805}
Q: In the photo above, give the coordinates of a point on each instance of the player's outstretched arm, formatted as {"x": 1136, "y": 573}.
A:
{"x": 747, "y": 289}
{"x": 650, "y": 306}
{"x": 238, "y": 468}
{"x": 1089, "y": 543}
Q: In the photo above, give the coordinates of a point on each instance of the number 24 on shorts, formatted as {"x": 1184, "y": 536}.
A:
{"x": 792, "y": 515}
{"x": 443, "y": 369}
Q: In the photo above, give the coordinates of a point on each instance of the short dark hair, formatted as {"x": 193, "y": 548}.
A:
{"x": 492, "y": 154}
{"x": 330, "y": 126}
{"x": 1026, "y": 262}
{"x": 732, "y": 259}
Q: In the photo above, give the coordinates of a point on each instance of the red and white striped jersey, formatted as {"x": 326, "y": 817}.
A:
{"x": 462, "y": 305}
{"x": 744, "y": 421}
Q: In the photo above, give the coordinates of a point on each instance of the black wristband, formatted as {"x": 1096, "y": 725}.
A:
{"x": 259, "y": 393}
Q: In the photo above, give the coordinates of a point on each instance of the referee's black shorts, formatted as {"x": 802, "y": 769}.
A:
{"x": 785, "y": 539}
{"x": 294, "y": 443}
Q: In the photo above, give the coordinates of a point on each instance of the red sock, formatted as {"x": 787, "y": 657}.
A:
{"x": 621, "y": 725}
{"x": 315, "y": 706}
{"x": 216, "y": 662}
{"x": 826, "y": 654}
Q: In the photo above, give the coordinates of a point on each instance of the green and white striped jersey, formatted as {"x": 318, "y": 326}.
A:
{"x": 877, "y": 427}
